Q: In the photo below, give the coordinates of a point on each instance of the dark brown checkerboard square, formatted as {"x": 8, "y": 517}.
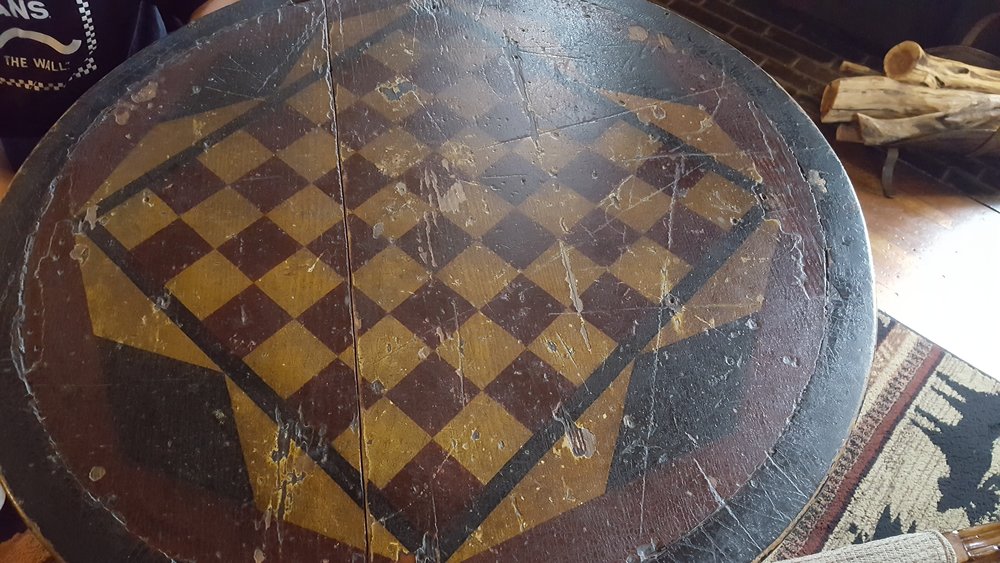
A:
{"x": 602, "y": 238}
{"x": 507, "y": 120}
{"x": 370, "y": 392}
{"x": 530, "y": 390}
{"x": 523, "y": 309}
{"x": 366, "y": 312}
{"x": 359, "y": 125}
{"x": 362, "y": 74}
{"x": 592, "y": 176}
{"x": 432, "y": 309}
{"x": 169, "y": 251}
{"x": 518, "y": 240}
{"x": 685, "y": 233}
{"x": 514, "y": 178}
{"x": 422, "y": 177}
{"x": 278, "y": 126}
{"x": 362, "y": 179}
{"x": 259, "y": 248}
{"x": 329, "y": 319}
{"x": 187, "y": 185}
{"x": 432, "y": 394}
{"x": 246, "y": 320}
{"x": 329, "y": 184}
{"x": 331, "y": 248}
{"x": 614, "y": 307}
{"x": 669, "y": 174}
{"x": 434, "y": 74}
{"x": 364, "y": 244}
{"x": 270, "y": 184}
{"x": 434, "y": 242}
{"x": 434, "y": 124}
{"x": 432, "y": 487}
{"x": 328, "y": 401}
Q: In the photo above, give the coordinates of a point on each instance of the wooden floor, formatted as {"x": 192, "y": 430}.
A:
{"x": 937, "y": 257}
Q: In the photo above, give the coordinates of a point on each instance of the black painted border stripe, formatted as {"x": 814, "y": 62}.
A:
{"x": 273, "y": 100}
{"x": 328, "y": 459}
{"x": 529, "y": 455}
{"x": 332, "y": 463}
{"x": 514, "y": 471}
{"x": 269, "y": 101}
{"x": 616, "y": 111}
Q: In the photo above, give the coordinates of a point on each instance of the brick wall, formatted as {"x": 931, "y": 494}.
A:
{"x": 803, "y": 55}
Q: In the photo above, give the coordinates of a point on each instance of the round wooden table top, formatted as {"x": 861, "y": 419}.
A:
{"x": 426, "y": 281}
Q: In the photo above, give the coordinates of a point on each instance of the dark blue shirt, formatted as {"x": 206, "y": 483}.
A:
{"x": 52, "y": 51}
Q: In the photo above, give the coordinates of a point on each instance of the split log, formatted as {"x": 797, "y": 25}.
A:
{"x": 884, "y": 98}
{"x": 909, "y": 63}
{"x": 976, "y": 121}
{"x": 855, "y": 69}
{"x": 849, "y": 133}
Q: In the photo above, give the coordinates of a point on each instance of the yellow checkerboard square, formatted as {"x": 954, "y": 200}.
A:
{"x": 650, "y": 269}
{"x": 390, "y": 278}
{"x": 627, "y": 146}
{"x": 396, "y": 99}
{"x": 222, "y": 216}
{"x": 573, "y": 346}
{"x": 139, "y": 218}
{"x": 394, "y": 152}
{"x": 480, "y": 350}
{"x": 391, "y": 441}
{"x": 397, "y": 51}
{"x": 474, "y": 207}
{"x": 637, "y": 204}
{"x": 557, "y": 208}
{"x": 289, "y": 358}
{"x": 314, "y": 102}
{"x": 395, "y": 208}
{"x": 208, "y": 284}
{"x": 299, "y": 282}
{"x": 312, "y": 155}
{"x": 472, "y": 151}
{"x": 307, "y": 214}
{"x": 470, "y": 97}
{"x": 231, "y": 158}
{"x": 550, "y": 271}
{"x": 483, "y": 437}
{"x": 718, "y": 200}
{"x": 477, "y": 274}
{"x": 388, "y": 351}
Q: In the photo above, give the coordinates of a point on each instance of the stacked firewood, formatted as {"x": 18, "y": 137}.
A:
{"x": 922, "y": 100}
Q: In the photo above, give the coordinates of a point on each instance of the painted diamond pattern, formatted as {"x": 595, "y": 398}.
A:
{"x": 434, "y": 183}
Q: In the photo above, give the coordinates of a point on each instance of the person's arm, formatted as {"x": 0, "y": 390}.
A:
{"x": 179, "y": 12}
{"x": 6, "y": 173}
{"x": 209, "y": 7}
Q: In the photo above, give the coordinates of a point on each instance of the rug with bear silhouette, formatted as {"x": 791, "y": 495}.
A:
{"x": 924, "y": 455}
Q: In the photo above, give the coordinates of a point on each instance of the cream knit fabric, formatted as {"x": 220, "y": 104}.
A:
{"x": 925, "y": 547}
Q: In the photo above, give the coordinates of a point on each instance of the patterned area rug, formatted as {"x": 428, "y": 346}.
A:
{"x": 925, "y": 454}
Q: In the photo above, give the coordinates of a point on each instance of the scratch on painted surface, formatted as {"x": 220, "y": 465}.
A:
{"x": 724, "y": 505}
{"x": 574, "y": 292}
{"x": 581, "y": 442}
{"x": 453, "y": 198}
{"x": 513, "y": 59}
